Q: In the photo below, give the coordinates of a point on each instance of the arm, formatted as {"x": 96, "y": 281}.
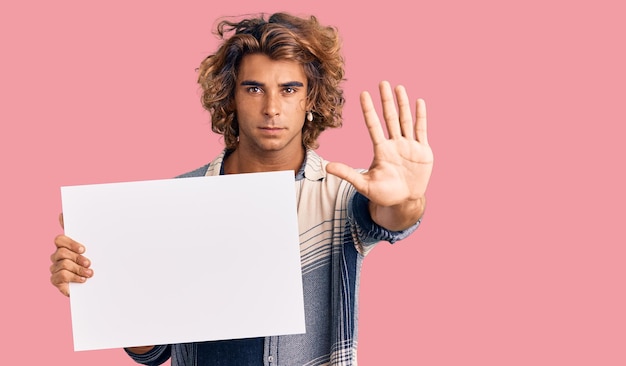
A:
{"x": 397, "y": 179}
{"x": 399, "y": 217}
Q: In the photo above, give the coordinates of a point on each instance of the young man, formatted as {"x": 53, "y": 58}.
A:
{"x": 272, "y": 87}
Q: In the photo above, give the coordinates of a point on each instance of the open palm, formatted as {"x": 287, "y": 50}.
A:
{"x": 403, "y": 161}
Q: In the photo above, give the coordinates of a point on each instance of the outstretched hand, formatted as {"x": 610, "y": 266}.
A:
{"x": 403, "y": 161}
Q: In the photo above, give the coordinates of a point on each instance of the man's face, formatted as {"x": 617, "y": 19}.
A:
{"x": 270, "y": 98}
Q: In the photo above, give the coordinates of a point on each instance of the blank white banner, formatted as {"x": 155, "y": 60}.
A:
{"x": 186, "y": 260}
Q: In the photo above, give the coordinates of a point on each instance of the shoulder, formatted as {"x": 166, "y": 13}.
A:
{"x": 200, "y": 172}
{"x": 212, "y": 168}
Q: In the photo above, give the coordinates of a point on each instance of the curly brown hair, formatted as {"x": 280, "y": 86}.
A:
{"x": 281, "y": 37}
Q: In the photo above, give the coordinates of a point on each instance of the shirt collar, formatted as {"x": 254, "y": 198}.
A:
{"x": 312, "y": 167}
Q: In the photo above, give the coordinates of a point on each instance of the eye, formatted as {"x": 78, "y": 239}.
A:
{"x": 289, "y": 90}
{"x": 254, "y": 90}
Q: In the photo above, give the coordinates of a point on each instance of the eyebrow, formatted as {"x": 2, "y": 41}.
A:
{"x": 256, "y": 83}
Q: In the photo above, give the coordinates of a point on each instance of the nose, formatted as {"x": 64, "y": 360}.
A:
{"x": 272, "y": 105}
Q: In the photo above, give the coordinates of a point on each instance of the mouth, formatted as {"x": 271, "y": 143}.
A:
{"x": 271, "y": 130}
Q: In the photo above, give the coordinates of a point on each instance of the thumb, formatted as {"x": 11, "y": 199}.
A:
{"x": 347, "y": 173}
{"x": 61, "y": 220}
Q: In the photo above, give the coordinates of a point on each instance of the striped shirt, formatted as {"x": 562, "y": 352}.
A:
{"x": 336, "y": 232}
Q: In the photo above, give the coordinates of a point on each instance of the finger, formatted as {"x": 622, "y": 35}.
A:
{"x": 349, "y": 174}
{"x": 69, "y": 249}
{"x": 63, "y": 287}
{"x": 63, "y": 241}
{"x": 66, "y": 268}
{"x": 406, "y": 119}
{"x": 61, "y": 220}
{"x": 61, "y": 280}
{"x": 371, "y": 119}
{"x": 420, "y": 123}
{"x": 62, "y": 254}
{"x": 390, "y": 112}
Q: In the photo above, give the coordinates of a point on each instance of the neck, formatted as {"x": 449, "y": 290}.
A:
{"x": 242, "y": 161}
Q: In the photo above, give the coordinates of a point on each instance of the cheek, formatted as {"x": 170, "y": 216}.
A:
{"x": 298, "y": 106}
{"x": 303, "y": 104}
{"x": 242, "y": 106}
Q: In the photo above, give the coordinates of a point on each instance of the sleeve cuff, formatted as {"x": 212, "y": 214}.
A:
{"x": 368, "y": 231}
{"x": 156, "y": 356}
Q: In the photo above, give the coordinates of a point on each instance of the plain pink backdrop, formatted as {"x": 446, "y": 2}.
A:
{"x": 520, "y": 259}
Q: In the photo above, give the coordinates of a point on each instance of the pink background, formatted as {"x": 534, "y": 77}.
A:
{"x": 520, "y": 259}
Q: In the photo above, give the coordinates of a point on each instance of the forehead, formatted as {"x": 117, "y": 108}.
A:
{"x": 261, "y": 68}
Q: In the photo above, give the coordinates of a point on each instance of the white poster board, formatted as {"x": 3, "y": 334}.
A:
{"x": 184, "y": 260}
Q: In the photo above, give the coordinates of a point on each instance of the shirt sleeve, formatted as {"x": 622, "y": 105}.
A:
{"x": 156, "y": 356}
{"x": 366, "y": 230}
